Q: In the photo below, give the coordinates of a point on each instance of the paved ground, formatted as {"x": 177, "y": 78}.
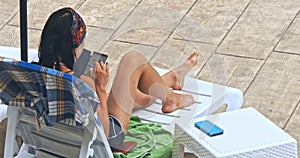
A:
{"x": 248, "y": 44}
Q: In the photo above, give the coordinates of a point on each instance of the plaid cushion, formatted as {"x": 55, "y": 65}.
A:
{"x": 55, "y": 96}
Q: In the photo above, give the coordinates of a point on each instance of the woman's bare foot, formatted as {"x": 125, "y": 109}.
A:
{"x": 177, "y": 101}
{"x": 175, "y": 78}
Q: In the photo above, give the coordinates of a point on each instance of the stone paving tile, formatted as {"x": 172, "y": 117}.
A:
{"x": 97, "y": 37}
{"x": 259, "y": 28}
{"x": 175, "y": 52}
{"x": 10, "y": 36}
{"x": 293, "y": 127}
{"x": 141, "y": 27}
{"x": 291, "y": 39}
{"x": 40, "y": 10}
{"x": 178, "y": 5}
{"x": 116, "y": 50}
{"x": 11, "y": 6}
{"x": 147, "y": 36}
{"x": 4, "y": 18}
{"x": 231, "y": 71}
{"x": 210, "y": 20}
{"x": 152, "y": 21}
{"x": 192, "y": 30}
{"x": 276, "y": 89}
{"x": 106, "y": 13}
{"x": 8, "y": 9}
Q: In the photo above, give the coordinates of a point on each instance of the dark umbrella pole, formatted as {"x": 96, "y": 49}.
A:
{"x": 23, "y": 30}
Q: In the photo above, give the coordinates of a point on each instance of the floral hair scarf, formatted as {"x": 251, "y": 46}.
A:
{"x": 78, "y": 29}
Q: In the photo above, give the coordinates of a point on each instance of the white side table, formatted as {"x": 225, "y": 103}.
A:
{"x": 247, "y": 133}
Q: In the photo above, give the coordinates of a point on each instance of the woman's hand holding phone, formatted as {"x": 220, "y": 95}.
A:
{"x": 101, "y": 76}
{"x": 96, "y": 58}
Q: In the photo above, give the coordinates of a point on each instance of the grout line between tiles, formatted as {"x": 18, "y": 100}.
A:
{"x": 97, "y": 27}
{"x": 112, "y": 35}
{"x": 283, "y": 52}
{"x": 187, "y": 40}
{"x": 239, "y": 56}
{"x": 290, "y": 24}
{"x": 205, "y": 63}
{"x": 291, "y": 115}
{"x": 7, "y": 23}
{"x": 260, "y": 68}
{"x": 274, "y": 50}
{"x": 29, "y": 28}
{"x": 173, "y": 30}
{"x": 81, "y": 4}
{"x": 128, "y": 42}
{"x": 269, "y": 55}
{"x": 238, "y": 18}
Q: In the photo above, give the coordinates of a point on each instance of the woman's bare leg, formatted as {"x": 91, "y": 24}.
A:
{"x": 135, "y": 73}
{"x": 174, "y": 79}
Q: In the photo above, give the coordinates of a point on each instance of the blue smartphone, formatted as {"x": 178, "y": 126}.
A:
{"x": 209, "y": 128}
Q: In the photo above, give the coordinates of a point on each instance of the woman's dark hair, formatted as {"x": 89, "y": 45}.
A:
{"x": 56, "y": 41}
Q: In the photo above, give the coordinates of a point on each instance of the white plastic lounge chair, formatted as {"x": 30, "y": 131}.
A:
{"x": 209, "y": 97}
{"x": 38, "y": 98}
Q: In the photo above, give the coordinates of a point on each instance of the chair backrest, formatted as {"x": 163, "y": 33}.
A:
{"x": 47, "y": 98}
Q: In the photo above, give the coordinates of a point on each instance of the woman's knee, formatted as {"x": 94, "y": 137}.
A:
{"x": 134, "y": 57}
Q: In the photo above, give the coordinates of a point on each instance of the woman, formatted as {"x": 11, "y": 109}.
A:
{"x": 136, "y": 82}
